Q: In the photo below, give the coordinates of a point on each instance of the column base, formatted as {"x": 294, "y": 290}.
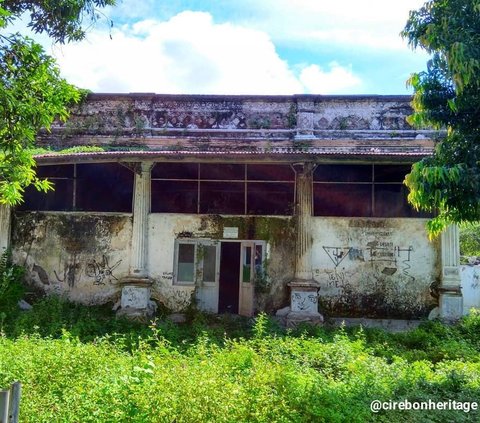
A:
{"x": 450, "y": 304}
{"x": 303, "y": 303}
{"x": 135, "y": 302}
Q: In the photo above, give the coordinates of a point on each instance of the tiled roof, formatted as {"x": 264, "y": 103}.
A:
{"x": 278, "y": 152}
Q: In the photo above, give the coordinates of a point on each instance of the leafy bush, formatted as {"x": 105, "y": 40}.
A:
{"x": 11, "y": 287}
{"x": 470, "y": 240}
{"x": 81, "y": 364}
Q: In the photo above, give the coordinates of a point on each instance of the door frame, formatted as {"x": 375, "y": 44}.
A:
{"x": 246, "y": 298}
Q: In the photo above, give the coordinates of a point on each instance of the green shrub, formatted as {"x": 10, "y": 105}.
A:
{"x": 82, "y": 364}
{"x": 11, "y": 287}
{"x": 470, "y": 239}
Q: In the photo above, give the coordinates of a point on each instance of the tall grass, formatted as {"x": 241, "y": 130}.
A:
{"x": 78, "y": 364}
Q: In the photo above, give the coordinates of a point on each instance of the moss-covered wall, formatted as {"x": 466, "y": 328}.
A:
{"x": 79, "y": 255}
{"x": 278, "y": 232}
{"x": 385, "y": 268}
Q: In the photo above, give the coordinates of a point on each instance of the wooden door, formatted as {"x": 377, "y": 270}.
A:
{"x": 207, "y": 278}
{"x": 247, "y": 277}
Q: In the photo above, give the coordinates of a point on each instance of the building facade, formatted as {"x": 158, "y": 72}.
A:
{"x": 227, "y": 201}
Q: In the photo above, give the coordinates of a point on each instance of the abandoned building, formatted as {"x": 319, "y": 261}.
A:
{"x": 238, "y": 203}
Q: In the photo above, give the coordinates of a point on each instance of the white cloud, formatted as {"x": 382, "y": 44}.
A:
{"x": 372, "y": 23}
{"x": 336, "y": 80}
{"x": 190, "y": 54}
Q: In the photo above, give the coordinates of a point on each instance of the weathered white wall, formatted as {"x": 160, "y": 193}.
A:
{"x": 366, "y": 267}
{"x": 164, "y": 228}
{"x": 374, "y": 267}
{"x": 82, "y": 256}
{"x": 470, "y": 277}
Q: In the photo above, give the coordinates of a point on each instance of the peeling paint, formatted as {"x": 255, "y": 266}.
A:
{"x": 78, "y": 255}
{"x": 389, "y": 271}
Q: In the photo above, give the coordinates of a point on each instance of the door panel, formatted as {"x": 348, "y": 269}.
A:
{"x": 208, "y": 257}
{"x": 229, "y": 277}
{"x": 247, "y": 260}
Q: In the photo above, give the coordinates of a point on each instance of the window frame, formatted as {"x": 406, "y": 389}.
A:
{"x": 245, "y": 181}
{"x": 373, "y": 184}
{"x": 76, "y": 184}
{"x": 198, "y": 262}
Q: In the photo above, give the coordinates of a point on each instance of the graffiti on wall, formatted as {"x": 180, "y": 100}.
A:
{"x": 385, "y": 255}
{"x": 363, "y": 279}
{"x": 69, "y": 272}
{"x": 101, "y": 271}
{"x": 337, "y": 254}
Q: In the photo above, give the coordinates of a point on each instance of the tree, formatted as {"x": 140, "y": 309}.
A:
{"x": 32, "y": 92}
{"x": 447, "y": 96}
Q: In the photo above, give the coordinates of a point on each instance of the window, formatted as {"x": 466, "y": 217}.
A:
{"x": 173, "y": 196}
{"x": 196, "y": 262}
{"x": 222, "y": 197}
{"x": 186, "y": 263}
{"x": 354, "y": 200}
{"x": 61, "y": 199}
{"x": 223, "y": 188}
{"x": 102, "y": 187}
{"x": 362, "y": 191}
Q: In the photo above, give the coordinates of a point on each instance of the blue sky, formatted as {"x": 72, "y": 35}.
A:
{"x": 246, "y": 47}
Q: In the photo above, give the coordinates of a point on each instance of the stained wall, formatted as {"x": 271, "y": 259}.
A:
{"x": 365, "y": 267}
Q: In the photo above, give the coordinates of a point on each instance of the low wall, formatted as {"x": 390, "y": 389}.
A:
{"x": 470, "y": 279}
{"x": 382, "y": 268}
{"x": 375, "y": 267}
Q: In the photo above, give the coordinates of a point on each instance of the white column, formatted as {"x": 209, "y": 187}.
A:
{"x": 5, "y": 225}
{"x": 141, "y": 209}
{"x": 450, "y": 298}
{"x": 303, "y": 289}
{"x": 304, "y": 205}
{"x": 135, "y": 300}
{"x": 450, "y": 257}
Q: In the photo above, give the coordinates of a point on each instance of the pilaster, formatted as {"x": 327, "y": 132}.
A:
{"x": 5, "y": 227}
{"x": 304, "y": 128}
{"x": 450, "y": 291}
{"x": 141, "y": 209}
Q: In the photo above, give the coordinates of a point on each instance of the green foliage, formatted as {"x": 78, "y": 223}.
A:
{"x": 11, "y": 287}
{"x": 447, "y": 96}
{"x": 62, "y": 20}
{"x": 32, "y": 93}
{"x": 220, "y": 369}
{"x": 81, "y": 149}
{"x": 470, "y": 240}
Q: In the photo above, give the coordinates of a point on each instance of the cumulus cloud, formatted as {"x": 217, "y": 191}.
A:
{"x": 190, "y": 53}
{"x": 187, "y": 54}
{"x": 361, "y": 23}
{"x": 335, "y": 80}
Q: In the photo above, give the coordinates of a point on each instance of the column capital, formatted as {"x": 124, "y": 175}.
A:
{"x": 304, "y": 169}
{"x": 139, "y": 168}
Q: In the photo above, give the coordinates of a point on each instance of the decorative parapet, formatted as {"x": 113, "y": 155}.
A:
{"x": 118, "y": 119}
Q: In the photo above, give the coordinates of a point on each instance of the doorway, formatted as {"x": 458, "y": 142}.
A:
{"x": 224, "y": 273}
{"x": 229, "y": 279}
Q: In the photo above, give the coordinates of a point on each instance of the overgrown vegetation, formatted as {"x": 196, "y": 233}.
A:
{"x": 470, "y": 240}
{"x": 446, "y": 96}
{"x": 11, "y": 288}
{"x": 81, "y": 364}
{"x": 32, "y": 92}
